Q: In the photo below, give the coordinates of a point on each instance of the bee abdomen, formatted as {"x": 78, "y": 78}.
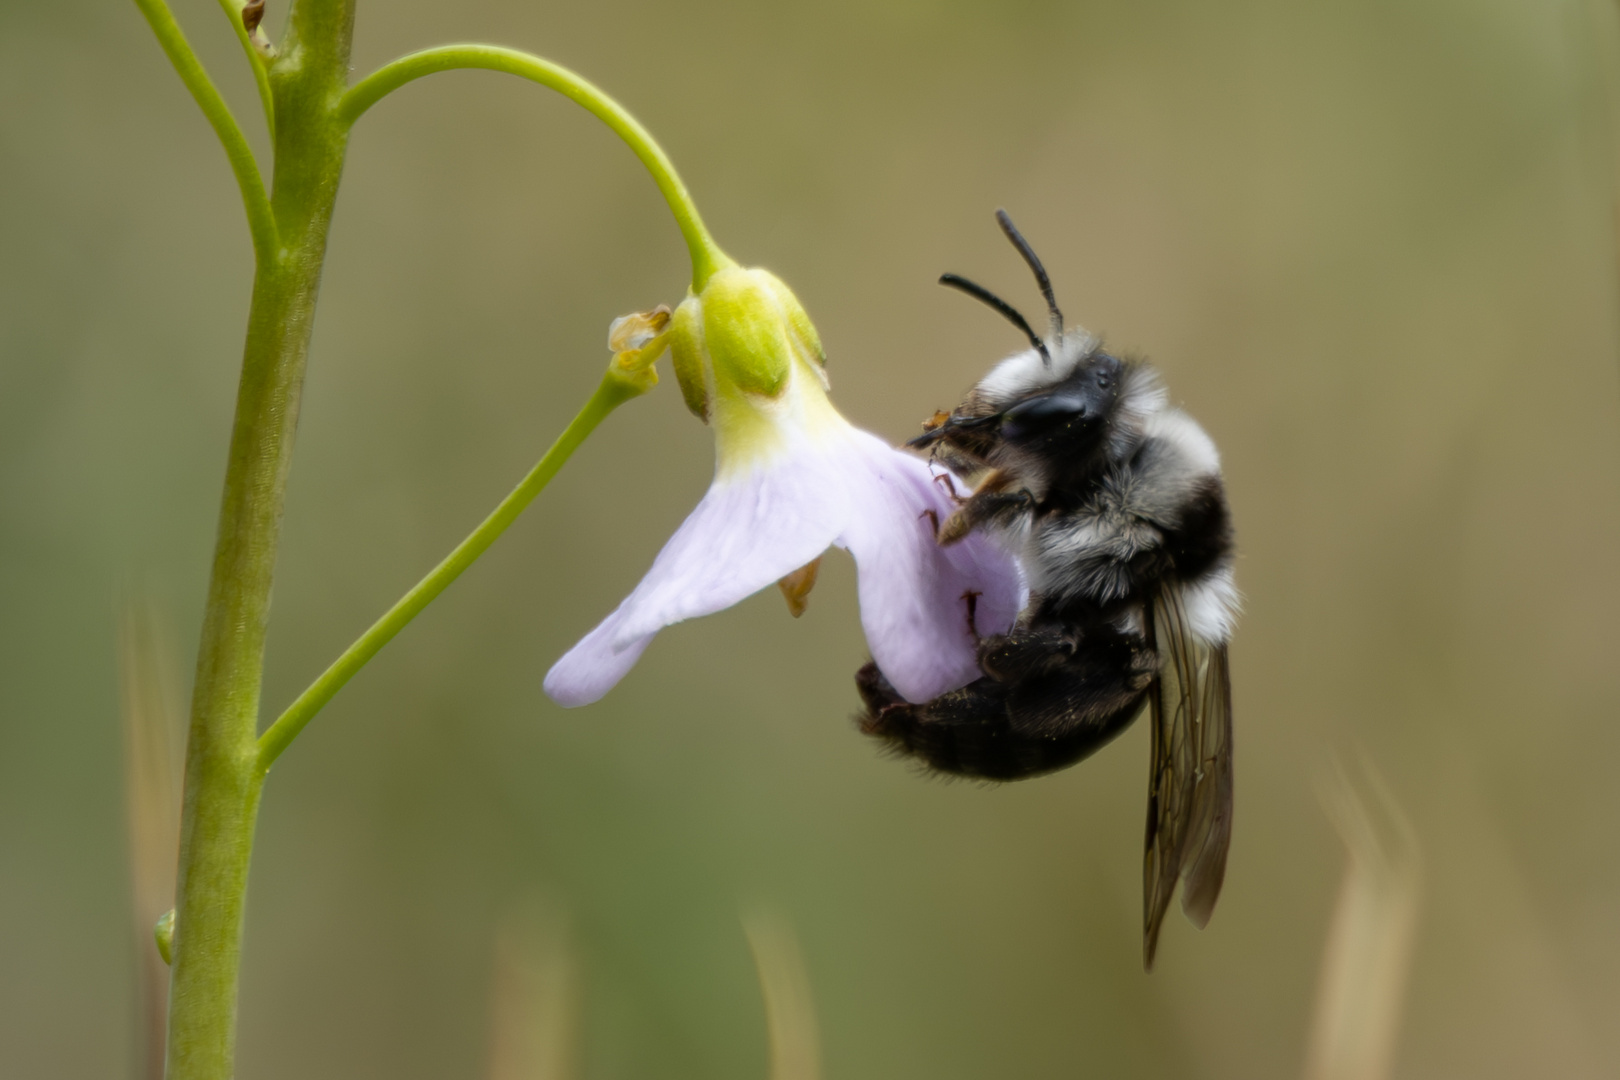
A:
{"x": 1020, "y": 728}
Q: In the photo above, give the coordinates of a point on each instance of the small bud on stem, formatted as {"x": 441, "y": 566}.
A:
{"x": 252, "y": 16}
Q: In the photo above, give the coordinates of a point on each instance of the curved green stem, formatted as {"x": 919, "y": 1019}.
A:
{"x": 615, "y": 390}
{"x": 706, "y": 255}
{"x": 261, "y": 222}
{"x": 261, "y": 72}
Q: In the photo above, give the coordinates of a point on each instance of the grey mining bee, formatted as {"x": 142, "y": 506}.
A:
{"x": 1114, "y": 503}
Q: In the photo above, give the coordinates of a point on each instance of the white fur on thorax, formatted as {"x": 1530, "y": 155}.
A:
{"x": 1081, "y": 553}
{"x": 1141, "y": 398}
{"x": 1086, "y": 555}
{"x": 1182, "y": 431}
{"x": 1049, "y": 556}
{"x": 1084, "y": 552}
{"x": 1025, "y": 372}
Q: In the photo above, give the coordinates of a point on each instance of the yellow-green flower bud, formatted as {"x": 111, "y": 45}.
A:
{"x": 740, "y": 337}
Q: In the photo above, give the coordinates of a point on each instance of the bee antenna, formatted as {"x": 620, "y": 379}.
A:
{"x": 1034, "y": 262}
{"x": 1007, "y": 311}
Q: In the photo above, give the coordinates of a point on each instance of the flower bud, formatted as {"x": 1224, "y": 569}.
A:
{"x": 163, "y": 933}
{"x": 740, "y": 338}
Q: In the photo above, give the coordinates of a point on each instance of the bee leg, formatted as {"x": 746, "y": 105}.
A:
{"x": 982, "y": 508}
{"x": 948, "y": 482}
{"x": 877, "y": 693}
{"x": 1023, "y": 653}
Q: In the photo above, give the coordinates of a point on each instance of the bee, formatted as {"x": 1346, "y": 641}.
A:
{"x": 1114, "y": 503}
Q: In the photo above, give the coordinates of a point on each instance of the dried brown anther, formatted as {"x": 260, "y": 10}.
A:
{"x": 797, "y": 585}
{"x": 252, "y": 16}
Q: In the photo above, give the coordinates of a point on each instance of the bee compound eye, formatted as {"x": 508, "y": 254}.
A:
{"x": 1039, "y": 416}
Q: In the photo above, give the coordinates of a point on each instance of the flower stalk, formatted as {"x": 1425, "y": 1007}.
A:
{"x": 707, "y": 258}
{"x": 616, "y": 388}
{"x": 261, "y": 220}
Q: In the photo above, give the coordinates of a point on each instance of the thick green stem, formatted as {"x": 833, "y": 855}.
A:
{"x": 614, "y": 391}
{"x": 706, "y": 254}
{"x": 223, "y": 780}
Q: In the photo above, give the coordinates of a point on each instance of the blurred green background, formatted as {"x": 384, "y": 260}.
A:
{"x": 1371, "y": 246}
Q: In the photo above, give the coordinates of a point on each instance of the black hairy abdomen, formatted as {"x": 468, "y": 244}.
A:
{"x": 1047, "y": 700}
{"x": 992, "y": 730}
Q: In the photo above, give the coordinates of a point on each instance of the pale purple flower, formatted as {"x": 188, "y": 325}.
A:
{"x": 793, "y": 478}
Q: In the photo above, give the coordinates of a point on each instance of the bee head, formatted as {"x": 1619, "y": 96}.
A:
{"x": 1062, "y": 398}
{"x": 1051, "y": 366}
{"x": 1072, "y": 414}
{"x": 1066, "y": 414}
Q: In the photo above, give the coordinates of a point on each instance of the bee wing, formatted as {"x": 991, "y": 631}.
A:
{"x": 1189, "y": 819}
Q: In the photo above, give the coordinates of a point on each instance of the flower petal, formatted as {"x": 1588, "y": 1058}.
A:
{"x": 753, "y": 527}
{"x": 593, "y": 667}
{"x": 920, "y": 625}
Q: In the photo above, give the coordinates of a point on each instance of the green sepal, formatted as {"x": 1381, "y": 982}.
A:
{"x": 686, "y": 356}
{"x": 803, "y": 328}
{"x": 744, "y": 328}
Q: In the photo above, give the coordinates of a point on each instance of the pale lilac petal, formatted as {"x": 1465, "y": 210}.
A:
{"x": 745, "y": 534}
{"x": 593, "y": 667}
{"x": 752, "y": 529}
{"x": 913, "y": 592}
{"x": 748, "y": 531}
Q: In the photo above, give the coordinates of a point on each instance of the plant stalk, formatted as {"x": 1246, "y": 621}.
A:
{"x": 310, "y": 110}
{"x": 223, "y": 781}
